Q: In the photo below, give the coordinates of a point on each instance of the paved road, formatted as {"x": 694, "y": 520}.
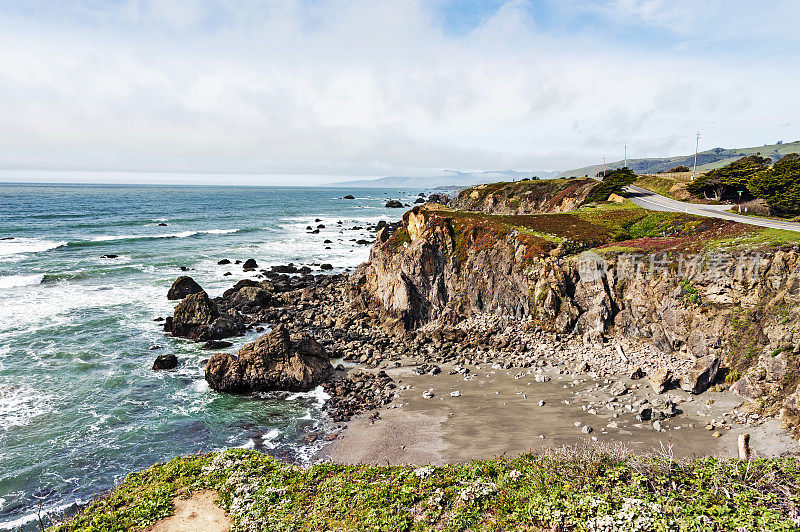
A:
{"x": 655, "y": 202}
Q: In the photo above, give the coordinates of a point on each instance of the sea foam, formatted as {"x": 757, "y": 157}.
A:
{"x": 19, "y": 246}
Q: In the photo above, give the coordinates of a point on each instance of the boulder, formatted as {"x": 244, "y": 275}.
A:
{"x": 250, "y": 264}
{"x": 394, "y": 204}
{"x": 274, "y": 361}
{"x": 216, "y": 344}
{"x": 701, "y": 375}
{"x": 199, "y": 319}
{"x": 182, "y": 287}
{"x": 618, "y": 388}
{"x": 419, "y": 200}
{"x": 253, "y": 296}
{"x": 349, "y": 196}
{"x": 748, "y": 388}
{"x": 660, "y": 379}
{"x": 223, "y": 262}
{"x": 165, "y": 362}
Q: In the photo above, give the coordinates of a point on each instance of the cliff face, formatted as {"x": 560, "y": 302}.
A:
{"x": 522, "y": 197}
{"x": 738, "y": 311}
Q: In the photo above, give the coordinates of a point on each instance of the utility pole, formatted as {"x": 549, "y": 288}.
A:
{"x": 626, "y": 156}
{"x": 696, "y": 147}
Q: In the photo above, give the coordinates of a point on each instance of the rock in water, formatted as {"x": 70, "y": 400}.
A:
{"x": 198, "y": 318}
{"x": 165, "y": 362}
{"x": 182, "y": 287}
{"x": 250, "y": 264}
{"x": 394, "y": 204}
{"x": 701, "y": 375}
{"x": 349, "y": 196}
{"x": 273, "y": 362}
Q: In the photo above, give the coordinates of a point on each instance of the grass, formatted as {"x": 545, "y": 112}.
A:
{"x": 607, "y": 228}
{"x": 572, "y": 489}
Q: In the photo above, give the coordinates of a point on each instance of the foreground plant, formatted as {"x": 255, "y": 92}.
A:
{"x": 570, "y": 489}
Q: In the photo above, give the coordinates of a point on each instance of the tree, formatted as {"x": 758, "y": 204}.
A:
{"x": 726, "y": 182}
{"x": 779, "y": 186}
{"x": 678, "y": 169}
{"x": 614, "y": 181}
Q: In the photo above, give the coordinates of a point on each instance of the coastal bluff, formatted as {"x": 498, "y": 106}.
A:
{"x": 598, "y": 271}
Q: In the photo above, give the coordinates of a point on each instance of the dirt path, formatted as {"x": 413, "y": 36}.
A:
{"x": 196, "y": 514}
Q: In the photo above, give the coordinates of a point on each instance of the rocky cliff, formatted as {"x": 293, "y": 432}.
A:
{"x": 521, "y": 197}
{"x": 735, "y": 311}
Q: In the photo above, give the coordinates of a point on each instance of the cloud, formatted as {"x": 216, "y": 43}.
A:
{"x": 367, "y": 87}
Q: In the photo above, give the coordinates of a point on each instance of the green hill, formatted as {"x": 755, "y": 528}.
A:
{"x": 706, "y": 160}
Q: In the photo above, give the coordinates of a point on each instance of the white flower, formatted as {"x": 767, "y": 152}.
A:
{"x": 423, "y": 472}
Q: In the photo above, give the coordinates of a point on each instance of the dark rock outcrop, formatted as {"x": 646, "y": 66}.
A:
{"x": 182, "y": 287}
{"x": 198, "y": 318}
{"x": 169, "y": 361}
{"x": 394, "y": 204}
{"x": 273, "y": 362}
{"x": 250, "y": 264}
{"x": 441, "y": 199}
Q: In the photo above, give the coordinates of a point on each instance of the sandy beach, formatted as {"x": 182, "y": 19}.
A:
{"x": 492, "y": 412}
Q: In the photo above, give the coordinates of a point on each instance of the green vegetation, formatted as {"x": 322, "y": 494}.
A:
{"x": 574, "y": 489}
{"x": 779, "y": 186}
{"x": 706, "y": 160}
{"x": 753, "y": 176}
{"x": 678, "y": 169}
{"x": 690, "y": 292}
{"x": 613, "y": 183}
{"x": 728, "y": 181}
{"x": 659, "y": 185}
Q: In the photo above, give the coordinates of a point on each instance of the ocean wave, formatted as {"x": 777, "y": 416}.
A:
{"x": 19, "y": 246}
{"x": 20, "y": 404}
{"x": 14, "y": 281}
{"x": 182, "y": 234}
{"x": 49, "y": 513}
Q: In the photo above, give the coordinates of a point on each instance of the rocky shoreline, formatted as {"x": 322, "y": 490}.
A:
{"x": 436, "y": 301}
{"x": 377, "y": 357}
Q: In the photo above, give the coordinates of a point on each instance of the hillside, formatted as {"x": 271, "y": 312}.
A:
{"x": 706, "y": 160}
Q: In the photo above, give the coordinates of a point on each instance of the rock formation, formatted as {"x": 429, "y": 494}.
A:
{"x": 275, "y": 361}
{"x": 199, "y": 318}
{"x": 744, "y": 315}
{"x": 182, "y": 287}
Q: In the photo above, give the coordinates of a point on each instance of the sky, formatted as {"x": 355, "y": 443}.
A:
{"x": 299, "y": 92}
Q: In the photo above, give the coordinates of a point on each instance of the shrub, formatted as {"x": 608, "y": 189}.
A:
{"x": 613, "y": 183}
{"x": 779, "y": 186}
{"x": 727, "y": 181}
{"x": 678, "y": 169}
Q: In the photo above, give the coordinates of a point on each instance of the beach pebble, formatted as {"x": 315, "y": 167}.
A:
{"x": 542, "y": 403}
{"x": 455, "y": 394}
{"x": 427, "y": 394}
{"x": 658, "y": 426}
{"x": 587, "y": 429}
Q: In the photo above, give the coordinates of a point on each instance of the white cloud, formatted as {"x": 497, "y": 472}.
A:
{"x": 363, "y": 87}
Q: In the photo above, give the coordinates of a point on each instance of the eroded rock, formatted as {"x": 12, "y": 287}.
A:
{"x": 274, "y": 361}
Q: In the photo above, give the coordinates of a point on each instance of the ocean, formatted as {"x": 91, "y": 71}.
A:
{"x": 80, "y": 406}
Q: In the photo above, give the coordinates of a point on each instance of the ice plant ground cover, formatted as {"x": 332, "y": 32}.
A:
{"x": 570, "y": 489}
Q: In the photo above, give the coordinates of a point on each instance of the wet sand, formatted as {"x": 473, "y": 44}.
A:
{"x": 497, "y": 414}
